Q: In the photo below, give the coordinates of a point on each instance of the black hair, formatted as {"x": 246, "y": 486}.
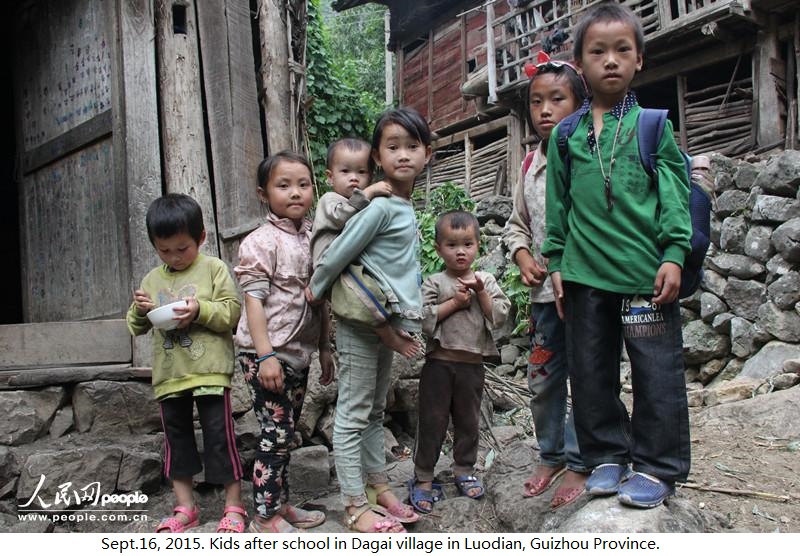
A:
{"x": 352, "y": 144}
{"x": 577, "y": 84}
{"x": 268, "y": 164}
{"x": 407, "y": 118}
{"x": 457, "y": 220}
{"x": 172, "y": 214}
{"x": 607, "y": 12}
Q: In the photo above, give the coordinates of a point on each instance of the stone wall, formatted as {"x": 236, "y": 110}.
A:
{"x": 742, "y": 328}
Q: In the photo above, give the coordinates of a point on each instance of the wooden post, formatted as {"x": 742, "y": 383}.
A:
{"x": 182, "y": 127}
{"x": 231, "y": 93}
{"x": 682, "y": 110}
{"x": 491, "y": 63}
{"x": 467, "y": 163}
{"x": 797, "y": 70}
{"x": 463, "y": 56}
{"x": 431, "y": 37}
{"x": 137, "y": 160}
{"x": 514, "y": 148}
{"x": 401, "y": 59}
{"x": 387, "y": 57}
{"x": 272, "y": 21}
{"x": 770, "y": 129}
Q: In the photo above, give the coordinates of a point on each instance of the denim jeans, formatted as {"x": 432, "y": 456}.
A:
{"x": 547, "y": 382}
{"x": 655, "y": 438}
{"x": 365, "y": 368}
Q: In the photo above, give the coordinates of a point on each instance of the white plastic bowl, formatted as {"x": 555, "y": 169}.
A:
{"x": 164, "y": 317}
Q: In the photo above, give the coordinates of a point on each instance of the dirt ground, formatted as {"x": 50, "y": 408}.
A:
{"x": 765, "y": 469}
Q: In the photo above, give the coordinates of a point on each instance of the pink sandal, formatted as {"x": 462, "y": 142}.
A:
{"x": 399, "y": 511}
{"x": 229, "y": 525}
{"x": 174, "y": 525}
{"x": 303, "y": 519}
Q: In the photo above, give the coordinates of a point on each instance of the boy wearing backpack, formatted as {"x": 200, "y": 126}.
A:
{"x": 616, "y": 241}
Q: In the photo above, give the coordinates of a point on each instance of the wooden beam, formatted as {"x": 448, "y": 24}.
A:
{"x": 463, "y": 60}
{"x": 796, "y": 42}
{"x": 137, "y": 158}
{"x": 38, "y": 377}
{"x": 64, "y": 343}
{"x": 770, "y": 126}
{"x": 467, "y": 163}
{"x": 88, "y": 132}
{"x": 229, "y": 82}
{"x": 401, "y": 60}
{"x": 696, "y": 61}
{"x": 272, "y": 21}
{"x": 491, "y": 62}
{"x": 182, "y": 126}
{"x": 431, "y": 39}
{"x": 681, "y": 89}
{"x": 476, "y": 131}
{"x": 387, "y": 60}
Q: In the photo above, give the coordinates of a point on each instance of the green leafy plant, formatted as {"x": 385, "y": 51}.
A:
{"x": 447, "y": 196}
{"x": 335, "y": 107}
{"x": 520, "y": 296}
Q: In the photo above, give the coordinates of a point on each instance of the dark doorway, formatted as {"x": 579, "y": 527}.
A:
{"x": 10, "y": 277}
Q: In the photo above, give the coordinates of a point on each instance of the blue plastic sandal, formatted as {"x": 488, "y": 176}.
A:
{"x": 465, "y": 483}
{"x": 417, "y": 495}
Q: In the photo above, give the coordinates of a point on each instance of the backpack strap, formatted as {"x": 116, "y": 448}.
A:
{"x": 649, "y": 129}
{"x": 526, "y": 164}
{"x": 565, "y": 129}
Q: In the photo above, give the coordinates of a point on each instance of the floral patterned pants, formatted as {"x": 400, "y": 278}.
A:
{"x": 276, "y": 413}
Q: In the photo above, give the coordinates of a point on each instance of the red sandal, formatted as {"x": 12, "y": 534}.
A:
{"x": 174, "y": 525}
{"x": 230, "y": 525}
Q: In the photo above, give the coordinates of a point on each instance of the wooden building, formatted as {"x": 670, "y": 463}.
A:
{"x": 726, "y": 69}
{"x": 109, "y": 104}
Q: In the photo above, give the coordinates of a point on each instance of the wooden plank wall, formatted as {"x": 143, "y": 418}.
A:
{"x": 73, "y": 237}
{"x": 183, "y": 141}
{"x": 136, "y": 138}
{"x": 233, "y": 118}
{"x": 433, "y": 86}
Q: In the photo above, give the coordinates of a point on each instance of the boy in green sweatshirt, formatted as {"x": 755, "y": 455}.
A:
{"x": 616, "y": 242}
{"x": 192, "y": 363}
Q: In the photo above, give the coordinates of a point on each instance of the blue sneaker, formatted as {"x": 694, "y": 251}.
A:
{"x": 605, "y": 479}
{"x": 644, "y": 491}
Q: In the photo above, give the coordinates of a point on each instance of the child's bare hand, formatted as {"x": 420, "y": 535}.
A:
{"x": 378, "y": 189}
{"x": 270, "y": 375}
{"x": 462, "y": 298}
{"x": 327, "y": 366}
{"x": 531, "y": 272}
{"x": 186, "y": 315}
{"x": 310, "y": 297}
{"x": 143, "y": 302}
{"x": 475, "y": 283}
{"x": 558, "y": 292}
{"x": 668, "y": 283}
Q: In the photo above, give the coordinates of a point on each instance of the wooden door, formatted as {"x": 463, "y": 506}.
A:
{"x": 74, "y": 230}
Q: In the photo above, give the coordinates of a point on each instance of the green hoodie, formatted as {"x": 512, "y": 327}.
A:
{"x": 618, "y": 250}
{"x": 202, "y": 353}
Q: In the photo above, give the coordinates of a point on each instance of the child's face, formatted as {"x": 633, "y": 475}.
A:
{"x": 289, "y": 190}
{"x": 609, "y": 58}
{"x": 551, "y": 100}
{"x": 401, "y": 155}
{"x": 178, "y": 251}
{"x": 458, "y": 247}
{"x": 350, "y": 170}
